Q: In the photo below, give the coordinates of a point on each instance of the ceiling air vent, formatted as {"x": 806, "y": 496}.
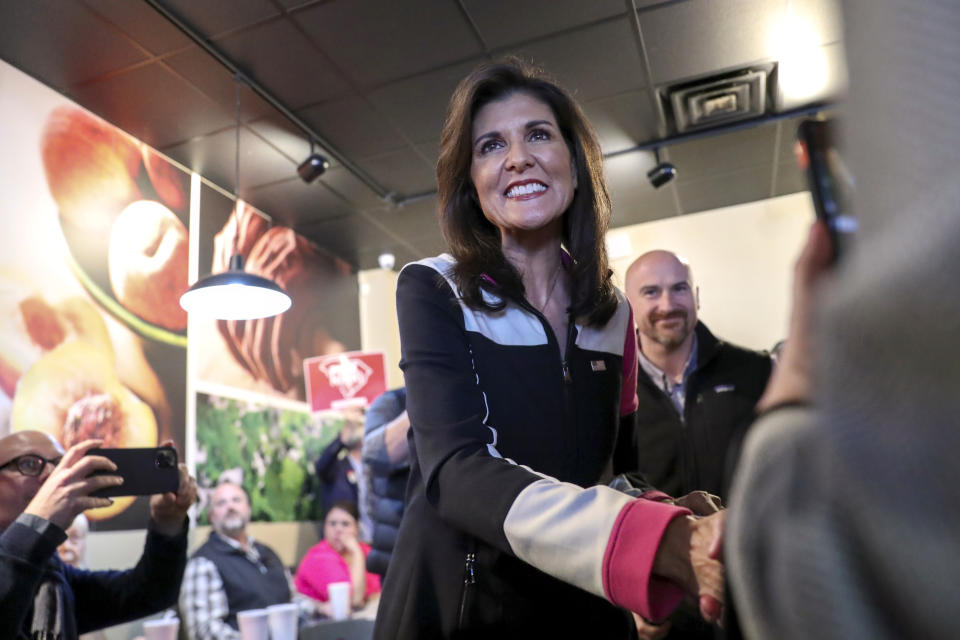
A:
{"x": 717, "y": 100}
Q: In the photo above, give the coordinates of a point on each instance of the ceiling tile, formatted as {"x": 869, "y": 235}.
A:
{"x": 297, "y": 204}
{"x": 282, "y": 59}
{"x": 402, "y": 172}
{"x": 507, "y": 22}
{"x": 695, "y": 38}
{"x": 345, "y": 235}
{"x": 397, "y": 39}
{"x": 634, "y": 198}
{"x": 212, "y": 18}
{"x": 822, "y": 16}
{"x": 214, "y": 157}
{"x": 789, "y": 179}
{"x": 736, "y": 187}
{"x": 143, "y": 23}
{"x": 208, "y": 76}
{"x": 828, "y": 81}
{"x": 413, "y": 220}
{"x": 431, "y": 152}
{"x": 350, "y": 188}
{"x": 622, "y": 121}
{"x": 723, "y": 153}
{"x": 62, "y": 43}
{"x": 289, "y": 139}
{"x": 593, "y": 62}
{"x": 353, "y": 127}
{"x": 418, "y": 105}
{"x": 153, "y": 104}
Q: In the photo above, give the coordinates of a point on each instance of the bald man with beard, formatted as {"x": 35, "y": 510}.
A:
{"x": 697, "y": 395}
{"x": 699, "y": 392}
{"x": 42, "y": 490}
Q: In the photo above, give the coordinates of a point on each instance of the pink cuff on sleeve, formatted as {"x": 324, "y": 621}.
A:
{"x": 628, "y": 560}
{"x": 656, "y": 496}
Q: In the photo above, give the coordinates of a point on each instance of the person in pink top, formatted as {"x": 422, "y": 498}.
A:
{"x": 339, "y": 557}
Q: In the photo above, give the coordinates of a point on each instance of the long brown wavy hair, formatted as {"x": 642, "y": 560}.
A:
{"x": 475, "y": 242}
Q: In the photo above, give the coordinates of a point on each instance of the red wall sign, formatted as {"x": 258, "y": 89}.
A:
{"x": 346, "y": 379}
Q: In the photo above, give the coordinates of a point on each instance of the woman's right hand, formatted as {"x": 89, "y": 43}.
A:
{"x": 687, "y": 556}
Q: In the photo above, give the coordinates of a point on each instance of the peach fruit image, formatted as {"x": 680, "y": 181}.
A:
{"x": 73, "y": 394}
{"x": 32, "y": 326}
{"x": 90, "y": 166}
{"x": 148, "y": 263}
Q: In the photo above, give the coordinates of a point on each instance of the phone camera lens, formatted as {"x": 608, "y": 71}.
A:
{"x": 166, "y": 459}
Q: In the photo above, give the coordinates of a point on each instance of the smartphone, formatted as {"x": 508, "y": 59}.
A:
{"x": 830, "y": 183}
{"x": 144, "y": 471}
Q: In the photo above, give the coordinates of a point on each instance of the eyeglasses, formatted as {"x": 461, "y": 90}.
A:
{"x": 31, "y": 464}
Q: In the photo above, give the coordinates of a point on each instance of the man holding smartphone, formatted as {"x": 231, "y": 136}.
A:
{"x": 42, "y": 489}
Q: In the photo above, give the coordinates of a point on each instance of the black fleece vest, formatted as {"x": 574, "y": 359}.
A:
{"x": 248, "y": 585}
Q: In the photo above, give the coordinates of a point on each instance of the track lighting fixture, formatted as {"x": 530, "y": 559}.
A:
{"x": 313, "y": 167}
{"x": 661, "y": 174}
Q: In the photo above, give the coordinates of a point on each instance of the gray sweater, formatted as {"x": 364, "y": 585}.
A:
{"x": 845, "y": 520}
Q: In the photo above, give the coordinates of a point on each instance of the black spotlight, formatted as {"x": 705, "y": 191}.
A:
{"x": 313, "y": 167}
{"x": 661, "y": 174}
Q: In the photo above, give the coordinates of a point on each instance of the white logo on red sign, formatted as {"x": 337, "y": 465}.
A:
{"x": 346, "y": 374}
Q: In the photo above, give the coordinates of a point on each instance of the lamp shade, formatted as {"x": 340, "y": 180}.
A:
{"x": 235, "y": 295}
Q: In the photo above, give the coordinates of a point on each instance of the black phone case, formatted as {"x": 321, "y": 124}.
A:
{"x": 144, "y": 471}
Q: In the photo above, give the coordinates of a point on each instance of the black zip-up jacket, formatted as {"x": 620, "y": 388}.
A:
{"x": 679, "y": 456}
{"x": 506, "y": 531}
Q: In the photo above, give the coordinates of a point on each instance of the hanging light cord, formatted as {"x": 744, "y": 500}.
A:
{"x": 236, "y": 173}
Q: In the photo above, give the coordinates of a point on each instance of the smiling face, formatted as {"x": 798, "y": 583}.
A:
{"x": 664, "y": 301}
{"x": 521, "y": 168}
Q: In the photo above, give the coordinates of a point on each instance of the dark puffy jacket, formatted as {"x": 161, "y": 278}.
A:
{"x": 388, "y": 481}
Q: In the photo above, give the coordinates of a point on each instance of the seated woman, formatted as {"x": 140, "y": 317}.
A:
{"x": 339, "y": 557}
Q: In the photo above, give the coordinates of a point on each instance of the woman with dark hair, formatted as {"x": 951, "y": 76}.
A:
{"x": 520, "y": 364}
{"x": 339, "y": 557}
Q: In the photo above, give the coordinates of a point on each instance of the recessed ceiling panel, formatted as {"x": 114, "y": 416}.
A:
{"x": 214, "y": 157}
{"x": 789, "y": 179}
{"x": 346, "y": 235}
{"x": 695, "y": 38}
{"x": 62, "y": 43}
{"x": 142, "y": 23}
{"x": 213, "y": 79}
{"x": 594, "y": 62}
{"x": 351, "y": 188}
{"x": 418, "y": 105}
{"x": 735, "y": 187}
{"x": 154, "y": 104}
{"x": 376, "y": 42}
{"x": 297, "y": 204}
{"x": 506, "y": 22}
{"x": 402, "y": 172}
{"x": 281, "y": 58}
{"x": 353, "y": 127}
{"x": 212, "y": 18}
{"x": 622, "y": 121}
{"x": 724, "y": 153}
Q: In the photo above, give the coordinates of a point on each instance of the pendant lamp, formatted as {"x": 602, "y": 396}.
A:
{"x": 235, "y": 294}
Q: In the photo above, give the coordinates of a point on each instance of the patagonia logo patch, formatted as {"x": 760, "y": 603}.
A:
{"x": 598, "y": 365}
{"x": 723, "y": 388}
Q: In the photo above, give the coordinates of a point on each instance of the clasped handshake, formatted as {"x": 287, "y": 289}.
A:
{"x": 690, "y": 553}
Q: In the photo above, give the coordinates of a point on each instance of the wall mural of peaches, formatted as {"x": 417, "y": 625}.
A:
{"x": 93, "y": 260}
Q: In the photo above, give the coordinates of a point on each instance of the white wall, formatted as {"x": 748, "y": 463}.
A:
{"x": 742, "y": 260}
